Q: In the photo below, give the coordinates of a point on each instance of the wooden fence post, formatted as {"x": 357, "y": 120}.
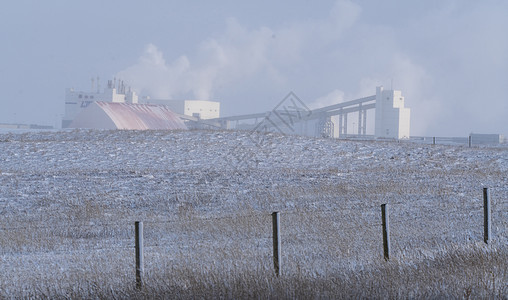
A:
{"x": 276, "y": 243}
{"x": 139, "y": 254}
{"x": 433, "y": 140}
{"x": 470, "y": 140}
{"x": 386, "y": 230}
{"x": 487, "y": 234}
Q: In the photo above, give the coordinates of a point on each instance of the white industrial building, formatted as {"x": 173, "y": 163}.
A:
{"x": 292, "y": 116}
{"x": 77, "y": 101}
{"x": 201, "y": 109}
{"x": 392, "y": 118}
{"x": 145, "y": 113}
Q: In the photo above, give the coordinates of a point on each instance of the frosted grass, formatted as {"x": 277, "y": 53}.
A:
{"x": 69, "y": 201}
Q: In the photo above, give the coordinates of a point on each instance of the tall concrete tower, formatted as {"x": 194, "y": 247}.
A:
{"x": 392, "y": 118}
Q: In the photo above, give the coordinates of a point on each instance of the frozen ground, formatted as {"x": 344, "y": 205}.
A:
{"x": 206, "y": 199}
{"x": 127, "y": 168}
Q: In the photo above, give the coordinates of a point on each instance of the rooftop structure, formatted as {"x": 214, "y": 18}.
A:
{"x": 201, "y": 109}
{"x": 77, "y": 101}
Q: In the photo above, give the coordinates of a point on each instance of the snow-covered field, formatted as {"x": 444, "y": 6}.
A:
{"x": 68, "y": 201}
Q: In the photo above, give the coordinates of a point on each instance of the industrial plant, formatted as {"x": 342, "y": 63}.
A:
{"x": 119, "y": 107}
{"x": 392, "y": 119}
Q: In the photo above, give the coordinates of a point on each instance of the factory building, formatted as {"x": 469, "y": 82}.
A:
{"x": 78, "y": 101}
{"x": 200, "y": 109}
{"x": 292, "y": 116}
{"x": 392, "y": 118}
{"x": 119, "y": 107}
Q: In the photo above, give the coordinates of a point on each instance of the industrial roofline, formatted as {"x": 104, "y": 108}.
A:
{"x": 331, "y": 110}
{"x": 319, "y": 114}
{"x": 209, "y": 122}
{"x": 345, "y": 104}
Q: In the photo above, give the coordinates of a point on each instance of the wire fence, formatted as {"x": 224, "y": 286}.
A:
{"x": 319, "y": 235}
{"x": 311, "y": 238}
{"x": 448, "y": 224}
{"x": 371, "y": 219}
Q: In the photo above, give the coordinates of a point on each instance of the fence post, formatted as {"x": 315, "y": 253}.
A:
{"x": 386, "y": 230}
{"x": 139, "y": 254}
{"x": 470, "y": 140}
{"x": 487, "y": 234}
{"x": 276, "y": 243}
{"x": 433, "y": 140}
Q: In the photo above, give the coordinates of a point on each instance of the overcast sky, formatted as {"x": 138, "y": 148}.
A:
{"x": 449, "y": 57}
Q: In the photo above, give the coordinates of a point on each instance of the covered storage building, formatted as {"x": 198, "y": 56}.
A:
{"x": 111, "y": 115}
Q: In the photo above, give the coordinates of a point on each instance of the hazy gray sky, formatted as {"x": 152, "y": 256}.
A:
{"x": 449, "y": 57}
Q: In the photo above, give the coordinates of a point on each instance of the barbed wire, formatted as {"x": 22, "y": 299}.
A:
{"x": 194, "y": 218}
{"x": 67, "y": 226}
{"x": 190, "y": 219}
{"x": 73, "y": 251}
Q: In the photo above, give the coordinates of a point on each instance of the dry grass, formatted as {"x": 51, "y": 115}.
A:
{"x": 68, "y": 232}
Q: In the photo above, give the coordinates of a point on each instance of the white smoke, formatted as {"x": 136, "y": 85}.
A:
{"x": 221, "y": 61}
{"x": 235, "y": 55}
{"x": 334, "y": 97}
{"x": 437, "y": 60}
